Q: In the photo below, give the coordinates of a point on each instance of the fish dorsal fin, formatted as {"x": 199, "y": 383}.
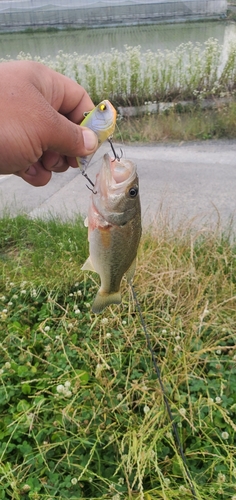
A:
{"x": 130, "y": 272}
{"x": 88, "y": 265}
{"x": 103, "y": 300}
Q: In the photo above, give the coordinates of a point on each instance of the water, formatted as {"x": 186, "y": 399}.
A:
{"x": 95, "y": 41}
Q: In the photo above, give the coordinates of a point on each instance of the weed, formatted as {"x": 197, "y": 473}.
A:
{"x": 81, "y": 412}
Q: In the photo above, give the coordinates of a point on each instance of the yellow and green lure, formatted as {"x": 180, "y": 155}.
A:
{"x": 102, "y": 120}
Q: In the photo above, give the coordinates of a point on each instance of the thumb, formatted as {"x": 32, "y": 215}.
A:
{"x": 67, "y": 138}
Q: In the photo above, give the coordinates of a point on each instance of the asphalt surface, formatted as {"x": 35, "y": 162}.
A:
{"x": 186, "y": 183}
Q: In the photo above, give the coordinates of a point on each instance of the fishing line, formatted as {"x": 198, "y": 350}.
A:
{"x": 167, "y": 404}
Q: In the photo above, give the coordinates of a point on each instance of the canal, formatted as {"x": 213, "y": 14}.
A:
{"x": 95, "y": 41}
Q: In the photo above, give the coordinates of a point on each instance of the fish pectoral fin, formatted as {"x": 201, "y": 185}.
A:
{"x": 88, "y": 265}
{"x": 130, "y": 272}
{"x": 103, "y": 300}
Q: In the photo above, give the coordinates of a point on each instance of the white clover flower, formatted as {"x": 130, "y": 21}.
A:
{"x": 177, "y": 348}
{"x": 124, "y": 322}
{"x": 70, "y": 325}
{"x": 11, "y": 284}
{"x": 10, "y": 303}
{"x": 221, "y": 478}
{"x": 218, "y": 400}
{"x": 225, "y": 435}
{"x": 33, "y": 293}
{"x": 121, "y": 481}
{"x": 46, "y": 328}
{"x": 218, "y": 351}
{"x": 60, "y": 388}
{"x": 87, "y": 305}
{"x": 67, "y": 383}
{"x": 164, "y": 331}
{"x": 23, "y": 292}
{"x": 146, "y": 409}
{"x": 71, "y": 295}
{"x": 116, "y": 497}
{"x": 7, "y": 365}
{"x": 23, "y": 283}
{"x": 182, "y": 489}
{"x": 119, "y": 397}
{"x": 3, "y": 298}
{"x": 74, "y": 480}
{"x": 167, "y": 481}
{"x": 108, "y": 335}
{"x": 79, "y": 293}
{"x": 182, "y": 412}
{"x": 67, "y": 394}
{"x": 76, "y": 284}
{"x": 15, "y": 297}
{"x": 77, "y": 311}
{"x": 1, "y": 371}
{"x": 177, "y": 337}
{"x": 4, "y": 311}
{"x": 104, "y": 321}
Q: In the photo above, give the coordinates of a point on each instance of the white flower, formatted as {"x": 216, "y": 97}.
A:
{"x": 108, "y": 335}
{"x": 11, "y": 283}
{"x": 163, "y": 330}
{"x": 225, "y": 435}
{"x": 74, "y": 480}
{"x": 67, "y": 394}
{"x": 23, "y": 292}
{"x": 67, "y": 383}
{"x": 15, "y": 297}
{"x": 60, "y": 388}
{"x": 146, "y": 409}
{"x": 10, "y": 303}
{"x": 167, "y": 481}
{"x": 104, "y": 321}
{"x": 77, "y": 311}
{"x": 119, "y": 397}
{"x": 218, "y": 400}
{"x": 3, "y": 298}
{"x": 46, "y": 328}
{"x": 124, "y": 322}
{"x": 4, "y": 311}
{"x": 218, "y": 351}
{"x": 182, "y": 412}
{"x": 1, "y": 371}
{"x": 7, "y": 365}
{"x": 221, "y": 477}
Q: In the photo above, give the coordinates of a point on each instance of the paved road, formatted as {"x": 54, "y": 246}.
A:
{"x": 186, "y": 182}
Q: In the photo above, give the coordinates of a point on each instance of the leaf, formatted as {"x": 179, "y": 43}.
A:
{"x": 26, "y": 389}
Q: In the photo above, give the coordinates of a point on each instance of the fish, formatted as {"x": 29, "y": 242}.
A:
{"x": 102, "y": 120}
{"x": 114, "y": 228}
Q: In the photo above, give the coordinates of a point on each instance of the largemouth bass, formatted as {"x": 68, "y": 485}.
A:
{"x": 114, "y": 228}
{"x": 102, "y": 120}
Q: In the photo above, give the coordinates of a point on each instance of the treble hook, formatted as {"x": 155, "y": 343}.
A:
{"x": 114, "y": 152}
{"x": 91, "y": 182}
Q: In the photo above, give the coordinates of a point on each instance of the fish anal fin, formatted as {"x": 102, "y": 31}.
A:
{"x": 103, "y": 300}
{"x": 88, "y": 265}
{"x": 130, "y": 272}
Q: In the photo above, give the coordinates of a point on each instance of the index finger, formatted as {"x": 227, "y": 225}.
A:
{"x": 65, "y": 95}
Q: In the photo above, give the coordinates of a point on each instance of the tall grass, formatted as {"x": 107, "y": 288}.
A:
{"x": 132, "y": 76}
{"x": 81, "y": 411}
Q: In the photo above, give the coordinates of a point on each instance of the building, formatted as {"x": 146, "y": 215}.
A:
{"x": 22, "y": 14}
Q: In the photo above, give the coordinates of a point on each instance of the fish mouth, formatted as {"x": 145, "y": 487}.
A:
{"x": 116, "y": 172}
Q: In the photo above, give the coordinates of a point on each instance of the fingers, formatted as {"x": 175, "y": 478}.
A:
{"x": 36, "y": 175}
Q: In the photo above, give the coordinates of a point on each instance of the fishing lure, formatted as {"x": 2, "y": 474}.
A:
{"x": 102, "y": 120}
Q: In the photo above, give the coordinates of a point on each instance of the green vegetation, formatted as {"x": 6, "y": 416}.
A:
{"x": 179, "y": 124}
{"x": 81, "y": 412}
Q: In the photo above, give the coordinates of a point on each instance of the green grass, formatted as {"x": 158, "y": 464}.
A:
{"x": 81, "y": 411}
{"x": 179, "y": 124}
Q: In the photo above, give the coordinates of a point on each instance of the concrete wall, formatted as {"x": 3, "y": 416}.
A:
{"x": 17, "y": 15}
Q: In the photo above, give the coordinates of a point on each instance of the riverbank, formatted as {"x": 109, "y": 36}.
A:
{"x": 180, "y": 123}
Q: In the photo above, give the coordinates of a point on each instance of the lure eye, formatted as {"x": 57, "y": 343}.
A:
{"x": 133, "y": 192}
{"x": 102, "y": 107}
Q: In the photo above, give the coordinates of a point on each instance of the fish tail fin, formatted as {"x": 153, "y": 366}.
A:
{"x": 103, "y": 300}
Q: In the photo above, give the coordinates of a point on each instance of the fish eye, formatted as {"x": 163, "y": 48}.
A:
{"x": 133, "y": 192}
{"x": 102, "y": 107}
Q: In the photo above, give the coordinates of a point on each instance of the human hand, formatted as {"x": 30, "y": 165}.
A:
{"x": 40, "y": 110}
